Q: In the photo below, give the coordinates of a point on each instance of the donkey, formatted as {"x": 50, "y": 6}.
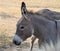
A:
{"x": 42, "y": 27}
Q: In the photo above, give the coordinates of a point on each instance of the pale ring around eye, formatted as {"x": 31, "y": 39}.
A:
{"x": 21, "y": 27}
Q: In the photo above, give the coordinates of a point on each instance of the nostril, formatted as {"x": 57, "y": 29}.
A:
{"x": 16, "y": 42}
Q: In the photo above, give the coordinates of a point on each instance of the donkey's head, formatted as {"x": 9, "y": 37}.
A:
{"x": 24, "y": 26}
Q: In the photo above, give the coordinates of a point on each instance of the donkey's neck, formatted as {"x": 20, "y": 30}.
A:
{"x": 43, "y": 28}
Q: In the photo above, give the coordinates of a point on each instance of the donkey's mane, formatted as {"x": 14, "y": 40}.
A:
{"x": 43, "y": 15}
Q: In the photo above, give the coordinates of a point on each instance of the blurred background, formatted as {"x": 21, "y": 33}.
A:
{"x": 9, "y": 15}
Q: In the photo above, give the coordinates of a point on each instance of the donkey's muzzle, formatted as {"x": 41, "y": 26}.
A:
{"x": 17, "y": 40}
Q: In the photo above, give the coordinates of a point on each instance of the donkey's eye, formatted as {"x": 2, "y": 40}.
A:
{"x": 21, "y": 27}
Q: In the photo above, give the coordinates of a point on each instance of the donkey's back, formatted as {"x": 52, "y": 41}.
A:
{"x": 48, "y": 13}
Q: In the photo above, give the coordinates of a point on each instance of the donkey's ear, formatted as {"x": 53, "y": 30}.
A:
{"x": 23, "y": 8}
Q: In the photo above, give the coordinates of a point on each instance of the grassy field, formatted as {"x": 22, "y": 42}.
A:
{"x": 10, "y": 14}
